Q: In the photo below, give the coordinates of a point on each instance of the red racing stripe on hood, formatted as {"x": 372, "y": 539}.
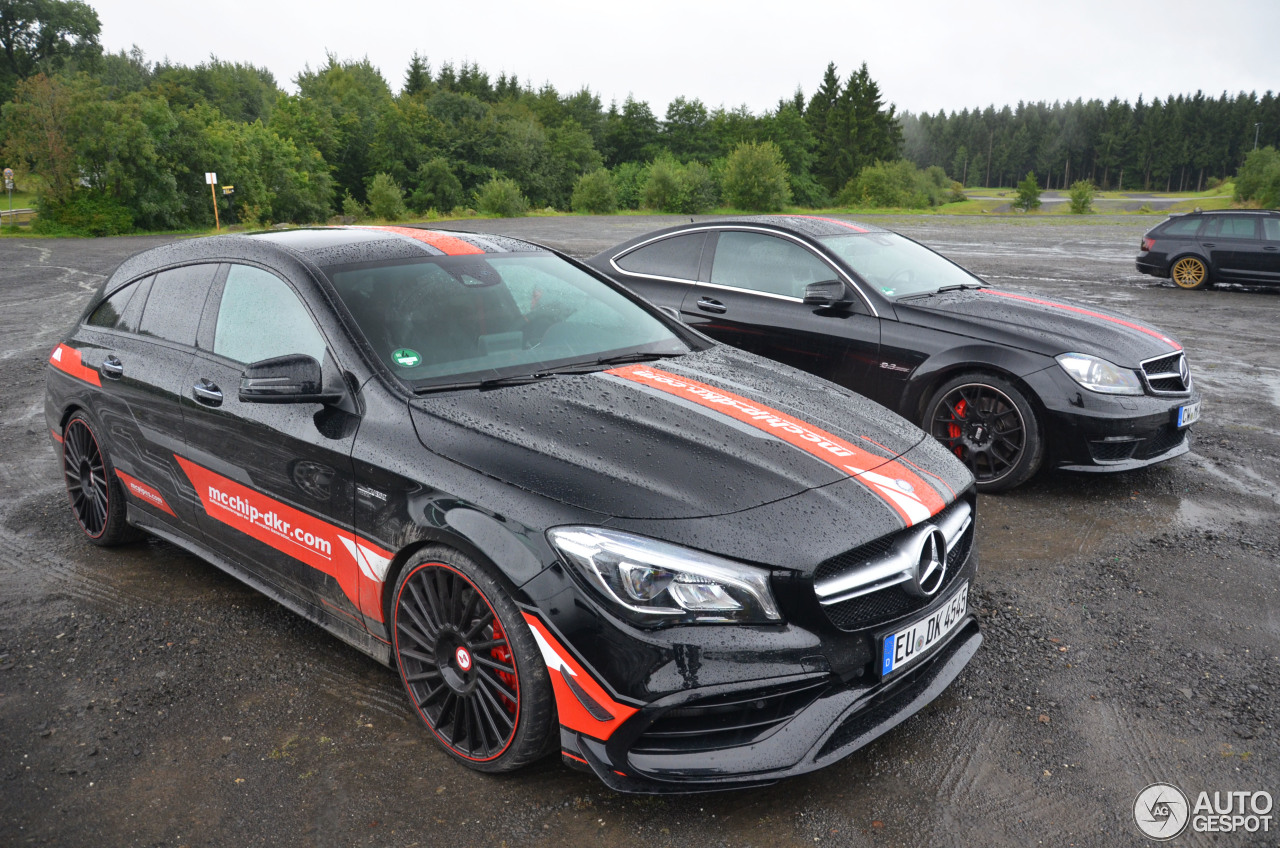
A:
{"x": 449, "y": 245}
{"x": 909, "y": 494}
{"x": 1150, "y": 332}
{"x": 67, "y": 359}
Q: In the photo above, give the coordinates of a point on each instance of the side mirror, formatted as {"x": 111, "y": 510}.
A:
{"x": 293, "y": 378}
{"x": 826, "y": 293}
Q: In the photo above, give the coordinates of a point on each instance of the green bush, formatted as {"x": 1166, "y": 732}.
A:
{"x": 898, "y": 184}
{"x": 386, "y": 199}
{"x": 755, "y": 178}
{"x": 501, "y": 197}
{"x": 595, "y": 193}
{"x": 1028, "y": 194}
{"x": 85, "y": 213}
{"x": 672, "y": 187}
{"x": 352, "y": 209}
{"x": 1082, "y": 193}
{"x": 628, "y": 180}
{"x": 438, "y": 187}
{"x": 1258, "y": 180}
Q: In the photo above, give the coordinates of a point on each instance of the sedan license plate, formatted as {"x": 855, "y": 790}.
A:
{"x": 905, "y": 646}
{"x": 1188, "y": 415}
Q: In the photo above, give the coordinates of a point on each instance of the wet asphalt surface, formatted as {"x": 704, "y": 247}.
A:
{"x": 1132, "y": 630}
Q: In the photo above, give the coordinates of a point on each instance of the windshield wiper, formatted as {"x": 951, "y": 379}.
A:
{"x": 960, "y": 287}
{"x": 492, "y": 383}
{"x": 621, "y": 359}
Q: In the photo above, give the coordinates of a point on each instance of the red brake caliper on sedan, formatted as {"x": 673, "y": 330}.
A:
{"x": 954, "y": 429}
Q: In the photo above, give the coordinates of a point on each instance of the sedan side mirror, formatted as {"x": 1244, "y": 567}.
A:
{"x": 293, "y": 378}
{"x": 826, "y": 293}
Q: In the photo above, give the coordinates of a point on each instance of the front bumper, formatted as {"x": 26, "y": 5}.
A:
{"x": 1089, "y": 431}
{"x": 840, "y": 719}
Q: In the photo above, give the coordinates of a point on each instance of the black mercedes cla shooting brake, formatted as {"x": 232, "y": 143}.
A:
{"x": 1008, "y": 381}
{"x": 569, "y": 522}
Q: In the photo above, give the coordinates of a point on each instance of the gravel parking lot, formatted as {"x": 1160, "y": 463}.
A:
{"x": 1132, "y": 625}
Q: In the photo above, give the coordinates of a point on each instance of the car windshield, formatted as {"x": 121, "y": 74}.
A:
{"x": 446, "y": 320}
{"x": 897, "y": 266}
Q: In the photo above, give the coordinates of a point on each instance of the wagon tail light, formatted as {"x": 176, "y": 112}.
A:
{"x": 1148, "y": 243}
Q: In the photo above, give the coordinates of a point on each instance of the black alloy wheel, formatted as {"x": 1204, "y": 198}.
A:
{"x": 470, "y": 664}
{"x": 97, "y": 497}
{"x": 988, "y": 423}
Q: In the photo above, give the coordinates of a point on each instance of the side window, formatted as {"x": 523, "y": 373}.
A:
{"x": 1231, "y": 226}
{"x": 109, "y": 312}
{"x": 1183, "y": 227}
{"x": 677, "y": 257}
{"x": 175, "y": 303}
{"x": 767, "y": 264}
{"x": 260, "y": 317}
{"x": 1271, "y": 229}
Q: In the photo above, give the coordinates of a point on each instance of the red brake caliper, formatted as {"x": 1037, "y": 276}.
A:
{"x": 953, "y": 429}
{"x": 502, "y": 654}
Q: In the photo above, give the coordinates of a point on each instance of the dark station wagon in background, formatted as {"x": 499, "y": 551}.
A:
{"x": 1006, "y": 381}
{"x": 1201, "y": 248}
{"x": 568, "y": 521}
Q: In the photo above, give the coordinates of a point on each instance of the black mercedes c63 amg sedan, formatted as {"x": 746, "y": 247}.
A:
{"x": 570, "y": 523}
{"x": 1007, "y": 381}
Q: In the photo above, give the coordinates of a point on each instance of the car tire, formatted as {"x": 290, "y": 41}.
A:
{"x": 1189, "y": 272}
{"x": 470, "y": 664}
{"x": 990, "y": 425}
{"x": 93, "y": 489}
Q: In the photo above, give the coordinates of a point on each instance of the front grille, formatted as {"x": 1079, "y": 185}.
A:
{"x": 1167, "y": 375}
{"x": 722, "y": 721}
{"x": 893, "y": 601}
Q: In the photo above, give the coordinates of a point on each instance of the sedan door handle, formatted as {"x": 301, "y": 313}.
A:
{"x": 1271, "y": 247}
{"x": 112, "y": 368}
{"x": 207, "y": 393}
{"x": 707, "y": 304}
{"x": 1208, "y": 244}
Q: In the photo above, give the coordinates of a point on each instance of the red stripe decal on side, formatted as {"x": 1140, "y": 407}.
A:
{"x": 451, "y": 245}
{"x": 909, "y": 494}
{"x": 567, "y": 673}
{"x": 57, "y": 437}
{"x": 67, "y": 359}
{"x": 359, "y": 566}
{"x": 845, "y": 224}
{"x": 143, "y": 492}
{"x": 1150, "y": 332}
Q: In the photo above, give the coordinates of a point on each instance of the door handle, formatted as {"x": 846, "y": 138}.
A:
{"x": 1209, "y": 244}
{"x": 707, "y": 304}
{"x": 112, "y": 368}
{"x": 207, "y": 392}
{"x": 1271, "y": 247}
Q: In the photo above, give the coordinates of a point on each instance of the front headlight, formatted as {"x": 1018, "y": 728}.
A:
{"x": 655, "y": 583}
{"x": 1099, "y": 375}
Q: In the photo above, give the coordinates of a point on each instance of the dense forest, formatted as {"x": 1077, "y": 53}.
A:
{"x": 111, "y": 142}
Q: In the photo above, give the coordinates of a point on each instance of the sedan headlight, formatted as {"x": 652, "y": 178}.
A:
{"x": 1099, "y": 375}
{"x": 655, "y": 583}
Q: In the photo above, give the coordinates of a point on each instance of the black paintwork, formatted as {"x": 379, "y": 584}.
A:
{"x": 1254, "y": 260}
{"x": 897, "y": 351}
{"x": 489, "y": 471}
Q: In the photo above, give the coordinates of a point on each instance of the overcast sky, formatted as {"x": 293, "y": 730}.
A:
{"x": 925, "y": 54}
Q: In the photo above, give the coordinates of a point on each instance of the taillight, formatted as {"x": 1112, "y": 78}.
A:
{"x": 1148, "y": 243}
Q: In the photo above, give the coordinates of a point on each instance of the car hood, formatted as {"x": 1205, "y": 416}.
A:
{"x": 705, "y": 434}
{"x": 1037, "y": 324}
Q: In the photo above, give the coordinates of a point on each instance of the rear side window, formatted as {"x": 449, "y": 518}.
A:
{"x": 1271, "y": 229}
{"x": 1231, "y": 226}
{"x": 1181, "y": 227}
{"x": 260, "y": 317}
{"x": 175, "y": 303}
{"x": 109, "y": 312}
{"x": 677, "y": 257}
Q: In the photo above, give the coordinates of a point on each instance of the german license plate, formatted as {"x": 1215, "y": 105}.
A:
{"x": 905, "y": 646}
{"x": 1188, "y": 415}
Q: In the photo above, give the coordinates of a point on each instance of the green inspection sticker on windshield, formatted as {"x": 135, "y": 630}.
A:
{"x": 406, "y": 358}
